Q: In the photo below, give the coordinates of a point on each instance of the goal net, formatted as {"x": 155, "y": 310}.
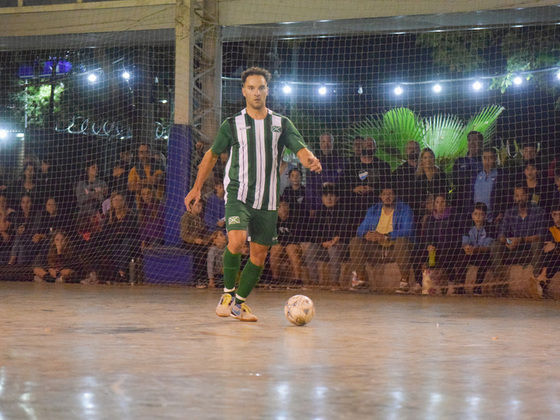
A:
{"x": 437, "y": 145}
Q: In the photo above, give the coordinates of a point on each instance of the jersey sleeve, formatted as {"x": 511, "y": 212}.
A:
{"x": 292, "y": 138}
{"x": 223, "y": 139}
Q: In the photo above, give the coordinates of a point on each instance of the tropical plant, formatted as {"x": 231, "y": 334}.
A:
{"x": 446, "y": 135}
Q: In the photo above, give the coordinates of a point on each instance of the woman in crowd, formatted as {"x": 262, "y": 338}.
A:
{"x": 60, "y": 264}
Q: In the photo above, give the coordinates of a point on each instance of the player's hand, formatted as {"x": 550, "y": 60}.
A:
{"x": 314, "y": 164}
{"x": 192, "y": 197}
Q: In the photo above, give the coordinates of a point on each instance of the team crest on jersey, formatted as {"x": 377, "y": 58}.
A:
{"x": 234, "y": 220}
{"x": 276, "y": 129}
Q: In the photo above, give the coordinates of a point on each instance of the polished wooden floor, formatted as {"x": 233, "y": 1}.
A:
{"x": 115, "y": 352}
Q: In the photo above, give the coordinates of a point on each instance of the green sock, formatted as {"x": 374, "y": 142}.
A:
{"x": 232, "y": 262}
{"x": 249, "y": 278}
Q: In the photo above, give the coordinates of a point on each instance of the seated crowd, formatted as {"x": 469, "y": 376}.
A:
{"x": 87, "y": 232}
{"x": 359, "y": 214}
{"x": 332, "y": 228}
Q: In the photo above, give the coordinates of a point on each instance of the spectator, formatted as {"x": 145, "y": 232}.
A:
{"x": 539, "y": 188}
{"x": 90, "y": 191}
{"x": 194, "y": 234}
{"x": 22, "y": 221}
{"x": 215, "y": 214}
{"x": 119, "y": 241}
{"x": 387, "y": 227}
{"x": 329, "y": 241}
{"x": 6, "y": 229}
{"x": 465, "y": 170}
{"x": 441, "y": 238}
{"x": 215, "y": 260}
{"x": 476, "y": 247}
{"x": 48, "y": 221}
{"x": 365, "y": 176}
{"x": 285, "y": 257}
{"x": 549, "y": 263}
{"x": 555, "y": 194}
{"x": 520, "y": 235}
{"x": 284, "y": 170}
{"x": 49, "y": 183}
{"x": 3, "y": 181}
{"x": 220, "y": 167}
{"x": 26, "y": 184}
{"x": 295, "y": 195}
{"x": 405, "y": 175}
{"x": 529, "y": 153}
{"x": 357, "y": 148}
{"x": 429, "y": 179}
{"x": 60, "y": 265}
{"x": 334, "y": 166}
{"x": 88, "y": 245}
{"x": 119, "y": 181}
{"x": 146, "y": 171}
{"x": 150, "y": 216}
{"x": 491, "y": 187}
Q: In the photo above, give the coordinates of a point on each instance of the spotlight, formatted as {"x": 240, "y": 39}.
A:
{"x": 517, "y": 80}
{"x": 3, "y": 134}
{"x": 477, "y": 85}
{"x": 360, "y": 90}
{"x": 322, "y": 90}
{"x": 287, "y": 89}
{"x": 558, "y": 75}
{"x": 437, "y": 88}
{"x": 126, "y": 75}
{"x": 92, "y": 78}
{"x": 398, "y": 90}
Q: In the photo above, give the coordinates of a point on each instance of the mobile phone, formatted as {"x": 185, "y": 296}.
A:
{"x": 508, "y": 241}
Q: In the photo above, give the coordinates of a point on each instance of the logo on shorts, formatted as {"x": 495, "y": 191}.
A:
{"x": 234, "y": 220}
{"x": 276, "y": 129}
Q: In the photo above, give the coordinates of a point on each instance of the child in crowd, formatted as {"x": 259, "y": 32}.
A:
{"x": 476, "y": 247}
{"x": 60, "y": 265}
{"x": 194, "y": 234}
{"x": 550, "y": 258}
{"x": 215, "y": 260}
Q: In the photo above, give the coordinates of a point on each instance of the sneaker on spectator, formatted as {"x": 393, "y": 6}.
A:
{"x": 535, "y": 288}
{"x": 477, "y": 291}
{"x": 403, "y": 287}
{"x": 242, "y": 312}
{"x": 59, "y": 280}
{"x": 90, "y": 279}
{"x": 37, "y": 279}
{"x": 417, "y": 289}
{"x": 225, "y": 305}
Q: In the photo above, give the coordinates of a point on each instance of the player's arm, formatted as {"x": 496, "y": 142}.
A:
{"x": 308, "y": 160}
{"x": 204, "y": 169}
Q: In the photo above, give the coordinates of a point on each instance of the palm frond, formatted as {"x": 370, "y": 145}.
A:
{"x": 484, "y": 122}
{"x": 443, "y": 135}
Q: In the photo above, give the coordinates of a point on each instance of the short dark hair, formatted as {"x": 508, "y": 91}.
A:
{"x": 255, "y": 71}
{"x": 481, "y": 206}
{"x": 293, "y": 170}
{"x": 520, "y": 186}
{"x": 477, "y": 134}
{"x": 555, "y": 206}
{"x": 489, "y": 150}
{"x": 329, "y": 189}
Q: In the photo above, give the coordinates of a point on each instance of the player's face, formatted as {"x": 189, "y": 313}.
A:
{"x": 556, "y": 218}
{"x": 478, "y": 217}
{"x": 255, "y": 91}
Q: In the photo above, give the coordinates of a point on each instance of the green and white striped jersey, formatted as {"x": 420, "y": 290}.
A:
{"x": 256, "y": 146}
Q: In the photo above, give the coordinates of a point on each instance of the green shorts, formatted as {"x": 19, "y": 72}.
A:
{"x": 259, "y": 224}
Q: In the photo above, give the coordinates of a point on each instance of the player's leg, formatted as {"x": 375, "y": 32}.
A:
{"x": 237, "y": 218}
{"x": 262, "y": 233}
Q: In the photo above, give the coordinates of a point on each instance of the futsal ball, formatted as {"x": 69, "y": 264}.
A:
{"x": 299, "y": 310}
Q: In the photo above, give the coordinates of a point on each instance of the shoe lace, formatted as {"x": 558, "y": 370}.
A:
{"x": 245, "y": 308}
{"x": 226, "y": 300}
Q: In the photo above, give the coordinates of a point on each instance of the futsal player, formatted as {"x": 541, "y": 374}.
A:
{"x": 255, "y": 138}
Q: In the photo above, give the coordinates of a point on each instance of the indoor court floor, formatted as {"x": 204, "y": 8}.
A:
{"x": 121, "y": 352}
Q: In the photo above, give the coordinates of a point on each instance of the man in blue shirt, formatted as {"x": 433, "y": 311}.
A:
{"x": 215, "y": 215}
{"x": 520, "y": 235}
{"x": 388, "y": 226}
{"x": 465, "y": 169}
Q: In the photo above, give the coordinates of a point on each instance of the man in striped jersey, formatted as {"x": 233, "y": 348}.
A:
{"x": 256, "y": 138}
